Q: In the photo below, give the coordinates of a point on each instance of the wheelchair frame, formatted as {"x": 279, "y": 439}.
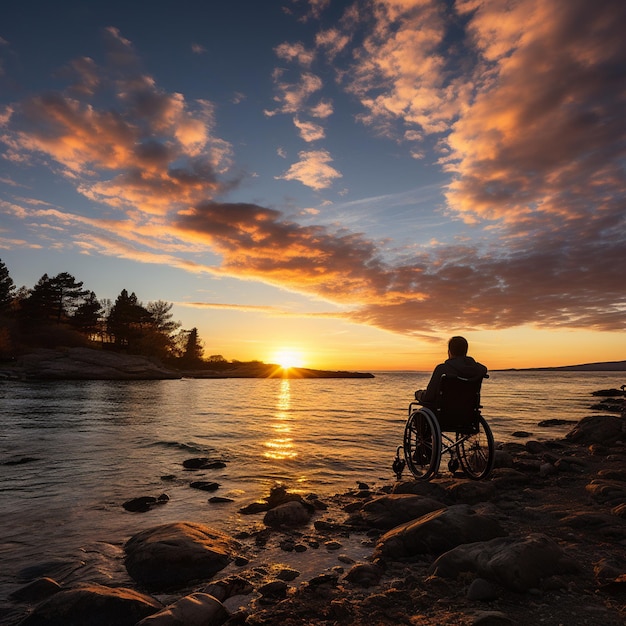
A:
{"x": 426, "y": 438}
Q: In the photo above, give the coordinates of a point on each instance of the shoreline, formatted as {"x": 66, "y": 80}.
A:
{"x": 89, "y": 364}
{"x": 570, "y": 490}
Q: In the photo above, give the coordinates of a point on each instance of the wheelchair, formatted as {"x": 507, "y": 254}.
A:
{"x": 455, "y": 426}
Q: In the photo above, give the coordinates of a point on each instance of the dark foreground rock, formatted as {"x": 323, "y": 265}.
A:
{"x": 174, "y": 555}
{"x": 95, "y": 605}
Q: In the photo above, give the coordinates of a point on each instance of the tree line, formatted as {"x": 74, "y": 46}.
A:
{"x": 58, "y": 311}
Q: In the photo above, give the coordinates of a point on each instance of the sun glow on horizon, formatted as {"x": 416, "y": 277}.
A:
{"x": 288, "y": 358}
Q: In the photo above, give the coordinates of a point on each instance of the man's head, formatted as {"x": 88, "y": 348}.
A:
{"x": 457, "y": 346}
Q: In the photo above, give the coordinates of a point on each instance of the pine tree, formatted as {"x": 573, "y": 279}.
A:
{"x": 7, "y": 288}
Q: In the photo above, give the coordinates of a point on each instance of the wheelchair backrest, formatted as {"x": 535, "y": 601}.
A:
{"x": 458, "y": 403}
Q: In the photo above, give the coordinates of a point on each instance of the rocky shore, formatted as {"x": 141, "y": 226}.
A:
{"x": 90, "y": 364}
{"x": 542, "y": 541}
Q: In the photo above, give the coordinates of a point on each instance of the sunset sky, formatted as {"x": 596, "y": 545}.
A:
{"x": 354, "y": 182}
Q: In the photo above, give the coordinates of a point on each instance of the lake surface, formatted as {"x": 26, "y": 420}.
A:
{"x": 97, "y": 444}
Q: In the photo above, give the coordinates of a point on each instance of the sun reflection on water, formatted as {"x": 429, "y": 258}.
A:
{"x": 281, "y": 446}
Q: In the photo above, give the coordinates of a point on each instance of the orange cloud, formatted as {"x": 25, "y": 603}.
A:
{"x": 312, "y": 170}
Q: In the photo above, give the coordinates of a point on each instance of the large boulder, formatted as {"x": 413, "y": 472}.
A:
{"x": 391, "y": 510}
{"x": 436, "y": 533}
{"x": 95, "y": 605}
{"x": 604, "y": 429}
{"x": 516, "y": 563}
{"x": 173, "y": 555}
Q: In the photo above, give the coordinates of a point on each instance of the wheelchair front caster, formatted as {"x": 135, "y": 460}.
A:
{"x": 453, "y": 465}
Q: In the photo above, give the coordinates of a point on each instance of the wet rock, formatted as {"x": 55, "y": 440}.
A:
{"x": 144, "y": 503}
{"x": 521, "y": 434}
{"x": 95, "y": 605}
{"x": 391, "y": 510}
{"x": 205, "y": 485}
{"x": 333, "y": 545}
{"x": 436, "y": 533}
{"x": 555, "y": 422}
{"x": 173, "y": 555}
{"x": 36, "y": 591}
{"x": 220, "y": 500}
{"x": 518, "y": 564}
{"x": 203, "y": 463}
{"x": 287, "y": 514}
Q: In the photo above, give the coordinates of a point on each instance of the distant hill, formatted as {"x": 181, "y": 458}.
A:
{"x": 606, "y": 366}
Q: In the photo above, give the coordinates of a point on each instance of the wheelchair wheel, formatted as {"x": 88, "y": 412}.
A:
{"x": 422, "y": 445}
{"x": 477, "y": 451}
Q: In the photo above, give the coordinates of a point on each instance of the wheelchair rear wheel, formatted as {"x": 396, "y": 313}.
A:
{"x": 422, "y": 445}
{"x": 477, "y": 451}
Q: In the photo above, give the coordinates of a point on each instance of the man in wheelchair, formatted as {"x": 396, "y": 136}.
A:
{"x": 449, "y": 421}
{"x": 457, "y": 364}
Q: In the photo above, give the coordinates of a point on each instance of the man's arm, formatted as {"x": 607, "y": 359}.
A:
{"x": 429, "y": 395}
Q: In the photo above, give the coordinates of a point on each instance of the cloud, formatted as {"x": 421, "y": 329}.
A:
{"x": 295, "y": 52}
{"x": 196, "y": 48}
{"x": 309, "y": 131}
{"x": 153, "y": 149}
{"x": 525, "y": 105}
{"x": 293, "y": 97}
{"x": 312, "y": 170}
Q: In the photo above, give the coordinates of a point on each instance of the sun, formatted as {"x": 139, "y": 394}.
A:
{"x": 288, "y": 358}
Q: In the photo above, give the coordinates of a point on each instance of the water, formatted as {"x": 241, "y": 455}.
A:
{"x": 97, "y": 444}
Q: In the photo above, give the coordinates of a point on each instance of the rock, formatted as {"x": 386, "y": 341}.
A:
{"x": 173, "y": 555}
{"x": 220, "y": 500}
{"x": 521, "y": 434}
{"x": 517, "y": 564}
{"x": 555, "y": 422}
{"x": 502, "y": 458}
{"x": 203, "y": 608}
{"x": 505, "y": 478}
{"x": 287, "y": 574}
{"x": 364, "y": 575}
{"x": 274, "y": 589}
{"x": 333, "y": 545}
{"x": 36, "y": 591}
{"x": 492, "y": 618}
{"x": 95, "y": 605}
{"x": 391, "y": 510}
{"x": 287, "y": 514}
{"x": 197, "y": 609}
{"x": 482, "y": 589}
{"x": 90, "y": 364}
{"x": 472, "y": 492}
{"x": 203, "y": 463}
{"x": 205, "y": 485}
{"x": 610, "y": 491}
{"x": 436, "y": 533}
{"x": 140, "y": 505}
{"x": 420, "y": 488}
{"x": 605, "y": 429}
